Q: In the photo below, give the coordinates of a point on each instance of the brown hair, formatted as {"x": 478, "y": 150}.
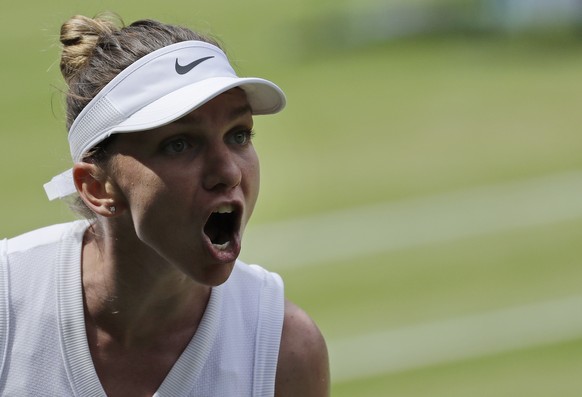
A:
{"x": 95, "y": 50}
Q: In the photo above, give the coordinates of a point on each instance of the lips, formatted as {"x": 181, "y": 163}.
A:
{"x": 222, "y": 231}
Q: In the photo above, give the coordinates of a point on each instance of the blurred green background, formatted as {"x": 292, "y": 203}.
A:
{"x": 421, "y": 194}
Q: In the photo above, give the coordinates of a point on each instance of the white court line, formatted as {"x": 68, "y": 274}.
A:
{"x": 434, "y": 219}
{"x": 456, "y": 339}
{"x": 349, "y": 234}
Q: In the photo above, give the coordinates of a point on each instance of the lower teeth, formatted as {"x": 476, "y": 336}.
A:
{"x": 222, "y": 246}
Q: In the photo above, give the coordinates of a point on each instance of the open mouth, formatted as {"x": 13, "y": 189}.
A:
{"x": 222, "y": 226}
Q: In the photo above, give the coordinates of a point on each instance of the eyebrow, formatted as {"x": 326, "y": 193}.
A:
{"x": 240, "y": 111}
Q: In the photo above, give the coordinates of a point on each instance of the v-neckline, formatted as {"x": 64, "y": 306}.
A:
{"x": 73, "y": 336}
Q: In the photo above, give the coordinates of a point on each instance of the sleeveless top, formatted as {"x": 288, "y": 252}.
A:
{"x": 43, "y": 343}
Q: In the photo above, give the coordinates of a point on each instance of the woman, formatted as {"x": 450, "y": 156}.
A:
{"x": 147, "y": 297}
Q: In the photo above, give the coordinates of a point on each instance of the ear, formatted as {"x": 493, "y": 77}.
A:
{"x": 95, "y": 189}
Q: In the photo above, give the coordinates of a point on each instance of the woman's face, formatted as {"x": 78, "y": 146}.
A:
{"x": 188, "y": 188}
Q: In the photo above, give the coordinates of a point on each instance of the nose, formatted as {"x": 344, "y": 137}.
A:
{"x": 222, "y": 172}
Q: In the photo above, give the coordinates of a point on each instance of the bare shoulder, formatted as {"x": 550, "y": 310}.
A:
{"x": 303, "y": 367}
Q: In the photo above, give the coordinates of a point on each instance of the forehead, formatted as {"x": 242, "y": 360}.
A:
{"x": 229, "y": 105}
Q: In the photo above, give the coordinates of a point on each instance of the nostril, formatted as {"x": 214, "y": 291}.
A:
{"x": 223, "y": 178}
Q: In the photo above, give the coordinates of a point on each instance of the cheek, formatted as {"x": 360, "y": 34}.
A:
{"x": 139, "y": 187}
{"x": 152, "y": 212}
{"x": 252, "y": 177}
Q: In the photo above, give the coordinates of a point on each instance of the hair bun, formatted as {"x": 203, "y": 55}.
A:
{"x": 80, "y": 36}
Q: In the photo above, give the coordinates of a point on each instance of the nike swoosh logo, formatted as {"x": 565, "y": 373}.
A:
{"x": 186, "y": 68}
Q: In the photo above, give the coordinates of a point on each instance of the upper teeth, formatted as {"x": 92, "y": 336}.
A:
{"x": 225, "y": 209}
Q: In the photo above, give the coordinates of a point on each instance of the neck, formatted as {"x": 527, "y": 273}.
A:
{"x": 136, "y": 298}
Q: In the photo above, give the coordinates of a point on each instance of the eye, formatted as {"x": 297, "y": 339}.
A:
{"x": 241, "y": 137}
{"x": 176, "y": 146}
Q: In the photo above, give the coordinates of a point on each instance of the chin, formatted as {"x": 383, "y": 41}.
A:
{"x": 217, "y": 275}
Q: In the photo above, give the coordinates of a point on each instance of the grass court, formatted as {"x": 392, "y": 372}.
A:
{"x": 422, "y": 198}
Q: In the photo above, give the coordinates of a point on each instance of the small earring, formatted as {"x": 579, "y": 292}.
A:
{"x": 112, "y": 209}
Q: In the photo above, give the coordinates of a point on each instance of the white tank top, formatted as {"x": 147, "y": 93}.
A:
{"x": 43, "y": 344}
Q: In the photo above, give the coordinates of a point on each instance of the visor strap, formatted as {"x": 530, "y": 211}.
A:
{"x": 60, "y": 186}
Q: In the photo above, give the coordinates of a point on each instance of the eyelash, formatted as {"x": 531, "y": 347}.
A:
{"x": 170, "y": 149}
{"x": 249, "y": 135}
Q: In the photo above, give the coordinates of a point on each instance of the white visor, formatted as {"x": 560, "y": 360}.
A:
{"x": 157, "y": 90}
